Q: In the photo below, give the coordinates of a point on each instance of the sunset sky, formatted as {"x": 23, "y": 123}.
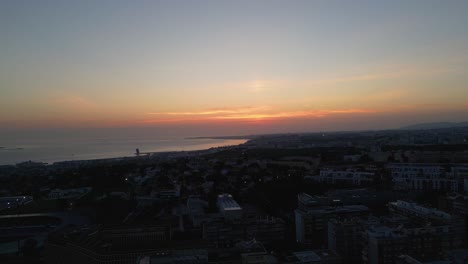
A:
{"x": 229, "y": 67}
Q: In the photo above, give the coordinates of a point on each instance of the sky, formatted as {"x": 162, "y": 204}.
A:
{"x": 231, "y": 67}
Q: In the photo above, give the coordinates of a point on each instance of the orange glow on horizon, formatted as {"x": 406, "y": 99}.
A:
{"x": 241, "y": 114}
{"x": 227, "y": 116}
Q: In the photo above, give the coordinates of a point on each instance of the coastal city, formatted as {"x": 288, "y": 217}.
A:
{"x": 234, "y": 132}
{"x": 391, "y": 196}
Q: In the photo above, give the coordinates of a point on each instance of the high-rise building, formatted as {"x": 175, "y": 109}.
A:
{"x": 345, "y": 238}
{"x": 229, "y": 207}
{"x": 312, "y": 219}
{"x": 425, "y": 216}
{"x": 383, "y": 244}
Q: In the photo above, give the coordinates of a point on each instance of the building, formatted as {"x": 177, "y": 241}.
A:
{"x": 196, "y": 210}
{"x": 423, "y": 234}
{"x": 253, "y": 252}
{"x": 459, "y": 171}
{"x": 181, "y": 256}
{"x": 344, "y": 238}
{"x": 228, "y": 207}
{"x": 223, "y": 234}
{"x": 13, "y": 202}
{"x": 383, "y": 244}
{"x": 458, "y": 203}
{"x": 414, "y": 170}
{"x": 427, "y": 176}
{"x": 17, "y": 229}
{"x": 312, "y": 218}
{"x": 245, "y": 252}
{"x": 458, "y": 256}
{"x": 98, "y": 245}
{"x": 75, "y": 193}
{"x": 405, "y": 259}
{"x": 312, "y": 257}
{"x": 228, "y": 233}
{"x": 351, "y": 177}
{"x": 418, "y": 212}
{"x": 266, "y": 230}
{"x": 453, "y": 225}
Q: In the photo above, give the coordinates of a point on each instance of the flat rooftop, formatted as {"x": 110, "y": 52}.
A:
{"x": 307, "y": 256}
{"x": 227, "y": 202}
{"x": 336, "y": 209}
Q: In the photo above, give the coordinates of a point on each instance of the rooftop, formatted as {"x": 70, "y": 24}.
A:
{"x": 414, "y": 207}
{"x": 227, "y": 202}
{"x": 336, "y": 209}
{"x": 306, "y": 256}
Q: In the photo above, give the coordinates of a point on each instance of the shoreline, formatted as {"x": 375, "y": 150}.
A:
{"x": 150, "y": 154}
{"x": 225, "y": 137}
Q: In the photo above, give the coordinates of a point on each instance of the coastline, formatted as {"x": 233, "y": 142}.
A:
{"x": 173, "y": 151}
{"x": 248, "y": 137}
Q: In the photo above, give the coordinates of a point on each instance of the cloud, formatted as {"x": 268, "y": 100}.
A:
{"x": 251, "y": 113}
{"x": 296, "y": 114}
{"x": 214, "y": 111}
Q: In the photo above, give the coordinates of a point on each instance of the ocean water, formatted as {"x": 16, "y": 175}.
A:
{"x": 52, "y": 150}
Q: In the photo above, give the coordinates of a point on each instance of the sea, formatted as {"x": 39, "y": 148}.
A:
{"x": 54, "y": 150}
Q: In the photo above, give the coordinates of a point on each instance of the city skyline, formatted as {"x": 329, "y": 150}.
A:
{"x": 243, "y": 67}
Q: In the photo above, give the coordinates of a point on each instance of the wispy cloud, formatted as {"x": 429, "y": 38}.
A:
{"x": 296, "y": 114}
{"x": 214, "y": 111}
{"x": 253, "y": 113}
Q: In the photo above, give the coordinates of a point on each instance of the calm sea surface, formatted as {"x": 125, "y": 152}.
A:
{"x": 60, "y": 150}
